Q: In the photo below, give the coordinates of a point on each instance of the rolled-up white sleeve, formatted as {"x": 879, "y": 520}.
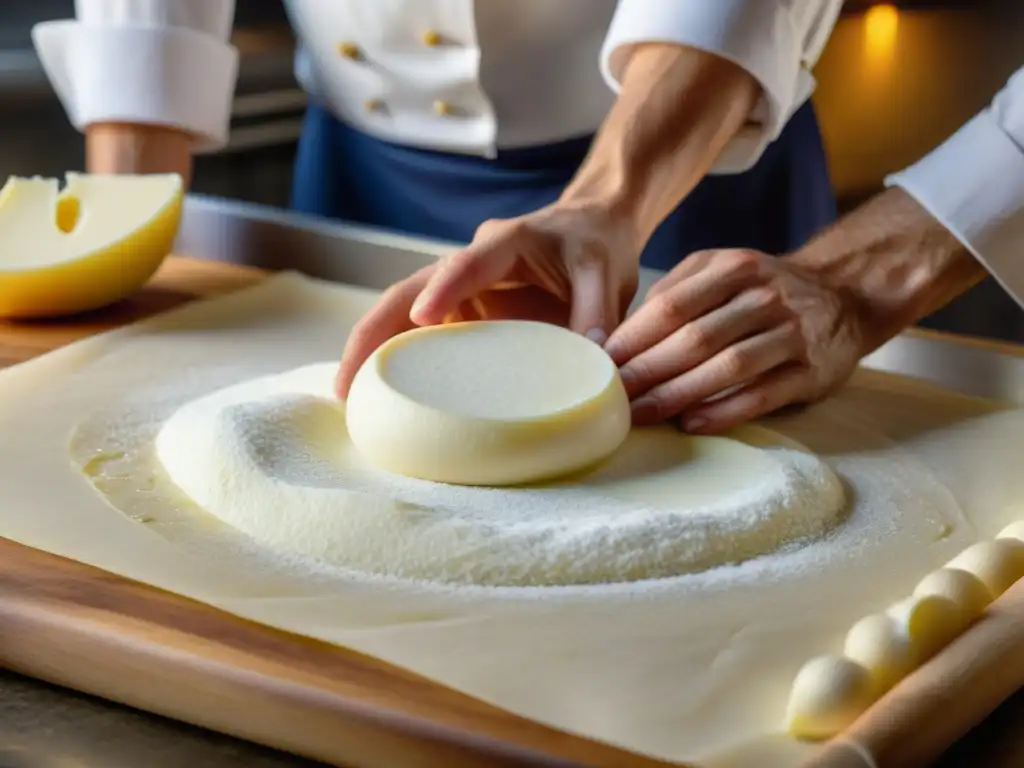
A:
{"x": 155, "y": 62}
{"x": 974, "y": 185}
{"x": 776, "y": 41}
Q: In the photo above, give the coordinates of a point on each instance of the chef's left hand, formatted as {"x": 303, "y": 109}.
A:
{"x": 730, "y": 335}
{"x": 566, "y": 264}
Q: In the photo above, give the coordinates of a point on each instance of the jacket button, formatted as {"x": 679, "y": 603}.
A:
{"x": 349, "y": 50}
{"x": 443, "y": 108}
{"x": 432, "y": 38}
{"x": 374, "y": 105}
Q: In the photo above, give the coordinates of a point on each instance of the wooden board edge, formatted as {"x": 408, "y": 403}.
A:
{"x": 83, "y": 628}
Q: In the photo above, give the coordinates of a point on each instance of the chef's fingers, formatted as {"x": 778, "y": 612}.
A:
{"x": 786, "y": 385}
{"x": 687, "y": 267}
{"x": 594, "y": 306}
{"x": 463, "y": 275}
{"x": 735, "y": 365}
{"x": 388, "y": 317}
{"x": 670, "y": 310}
{"x": 751, "y": 312}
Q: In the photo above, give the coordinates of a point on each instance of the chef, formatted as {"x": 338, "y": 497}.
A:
{"x": 730, "y": 335}
{"x": 435, "y": 116}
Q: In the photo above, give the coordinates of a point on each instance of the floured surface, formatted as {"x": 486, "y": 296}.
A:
{"x": 682, "y": 668}
{"x": 272, "y": 458}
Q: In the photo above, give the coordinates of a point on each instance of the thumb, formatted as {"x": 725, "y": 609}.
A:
{"x": 595, "y": 302}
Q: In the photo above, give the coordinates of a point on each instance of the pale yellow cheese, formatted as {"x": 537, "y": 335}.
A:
{"x": 880, "y": 645}
{"x": 964, "y": 589}
{"x": 829, "y": 694}
{"x": 487, "y": 403}
{"x": 1014, "y": 530}
{"x": 88, "y": 245}
{"x": 997, "y": 563}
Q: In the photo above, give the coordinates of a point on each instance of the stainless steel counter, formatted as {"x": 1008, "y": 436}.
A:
{"x": 43, "y": 727}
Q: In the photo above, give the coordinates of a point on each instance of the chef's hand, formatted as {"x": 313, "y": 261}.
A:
{"x": 133, "y": 148}
{"x": 563, "y": 264}
{"x": 729, "y": 335}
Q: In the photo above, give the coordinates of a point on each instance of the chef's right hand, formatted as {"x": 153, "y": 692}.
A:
{"x": 132, "y": 148}
{"x": 730, "y": 335}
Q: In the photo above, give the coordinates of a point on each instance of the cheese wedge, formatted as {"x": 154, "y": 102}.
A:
{"x": 487, "y": 403}
{"x": 86, "y": 246}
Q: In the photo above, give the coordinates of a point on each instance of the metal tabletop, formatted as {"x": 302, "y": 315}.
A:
{"x": 42, "y": 726}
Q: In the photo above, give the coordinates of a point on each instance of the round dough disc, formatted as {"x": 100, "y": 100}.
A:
{"x": 487, "y": 403}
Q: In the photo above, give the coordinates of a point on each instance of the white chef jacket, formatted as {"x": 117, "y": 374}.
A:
{"x": 974, "y": 185}
{"x": 460, "y": 76}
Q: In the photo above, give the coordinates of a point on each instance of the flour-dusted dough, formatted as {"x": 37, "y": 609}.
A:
{"x": 967, "y": 592}
{"x": 930, "y": 621}
{"x": 1014, "y": 530}
{"x": 829, "y": 693}
{"x": 487, "y": 403}
{"x": 998, "y": 563}
{"x": 271, "y": 458}
{"x": 879, "y": 644}
{"x": 892, "y": 644}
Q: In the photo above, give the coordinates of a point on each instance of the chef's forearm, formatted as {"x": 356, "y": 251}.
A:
{"x": 893, "y": 261}
{"x": 136, "y": 148}
{"x": 677, "y": 110}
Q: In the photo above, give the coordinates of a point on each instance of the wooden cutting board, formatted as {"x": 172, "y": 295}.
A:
{"x": 89, "y": 630}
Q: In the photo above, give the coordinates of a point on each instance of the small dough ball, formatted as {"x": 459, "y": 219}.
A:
{"x": 998, "y": 563}
{"x": 487, "y": 403}
{"x": 880, "y": 645}
{"x": 967, "y": 592}
{"x": 1013, "y": 531}
{"x": 929, "y": 621}
{"x": 828, "y": 695}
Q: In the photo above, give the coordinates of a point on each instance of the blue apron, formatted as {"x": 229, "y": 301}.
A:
{"x": 345, "y": 174}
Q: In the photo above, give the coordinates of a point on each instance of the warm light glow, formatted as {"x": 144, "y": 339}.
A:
{"x": 881, "y": 23}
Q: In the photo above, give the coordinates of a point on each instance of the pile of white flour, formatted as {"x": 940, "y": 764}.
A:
{"x": 270, "y": 457}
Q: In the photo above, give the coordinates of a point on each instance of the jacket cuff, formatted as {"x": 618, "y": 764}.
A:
{"x": 169, "y": 76}
{"x": 974, "y": 185}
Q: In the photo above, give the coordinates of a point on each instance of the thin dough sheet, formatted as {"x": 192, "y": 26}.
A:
{"x": 691, "y": 668}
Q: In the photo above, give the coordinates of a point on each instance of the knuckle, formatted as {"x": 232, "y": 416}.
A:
{"x": 658, "y": 289}
{"x": 670, "y": 304}
{"x": 395, "y": 292}
{"x": 732, "y": 363}
{"x": 583, "y": 254}
{"x": 791, "y": 328}
{"x": 458, "y": 260}
{"x": 489, "y": 227}
{"x": 697, "y": 340}
{"x": 462, "y": 263}
{"x": 765, "y": 297}
{"x": 792, "y": 332}
{"x": 697, "y": 259}
{"x": 755, "y": 403}
{"x": 742, "y": 260}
